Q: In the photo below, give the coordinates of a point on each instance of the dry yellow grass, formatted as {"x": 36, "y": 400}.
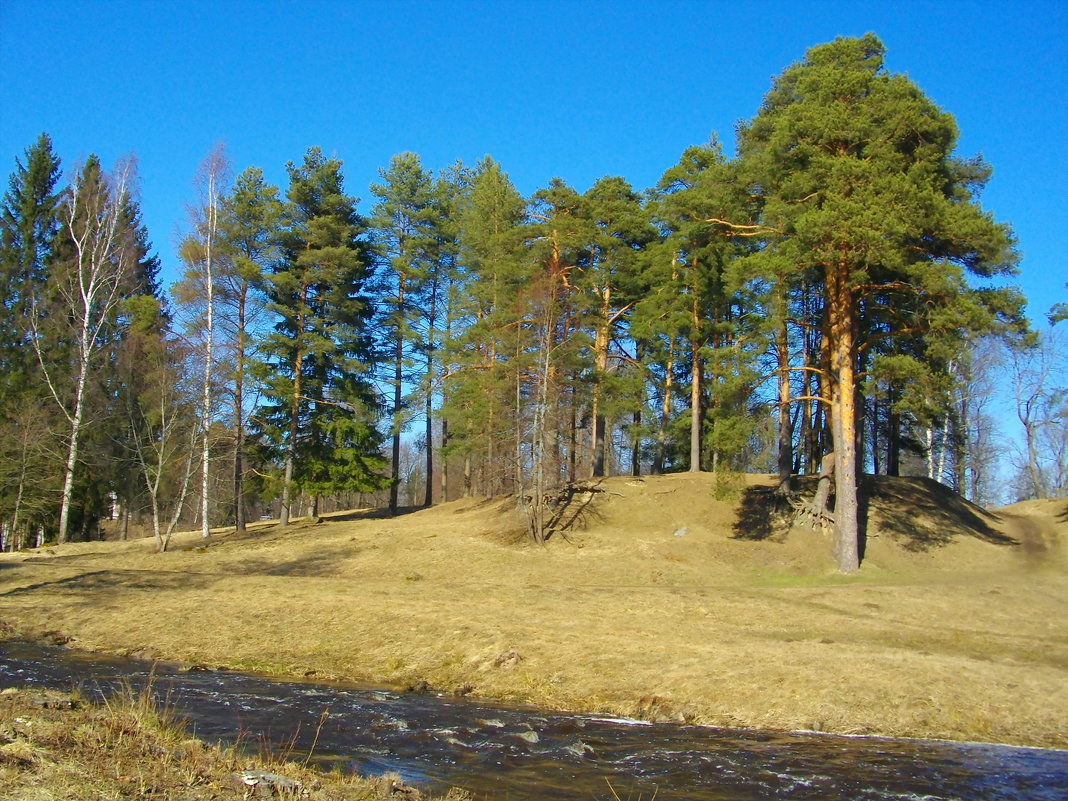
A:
{"x": 53, "y": 746}
{"x": 954, "y": 627}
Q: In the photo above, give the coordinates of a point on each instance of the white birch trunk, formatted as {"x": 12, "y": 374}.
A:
{"x": 210, "y": 224}
{"x": 93, "y": 291}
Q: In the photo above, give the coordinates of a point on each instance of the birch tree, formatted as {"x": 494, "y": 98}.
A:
{"x": 201, "y": 251}
{"x": 1038, "y": 372}
{"x": 85, "y": 292}
{"x": 161, "y": 399}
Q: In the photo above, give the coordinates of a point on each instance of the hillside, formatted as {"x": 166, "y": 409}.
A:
{"x": 671, "y": 597}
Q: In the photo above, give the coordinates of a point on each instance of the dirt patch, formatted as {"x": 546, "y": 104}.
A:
{"x": 955, "y": 626}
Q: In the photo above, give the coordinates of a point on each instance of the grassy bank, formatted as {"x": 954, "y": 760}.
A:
{"x": 54, "y": 746}
{"x": 676, "y": 597}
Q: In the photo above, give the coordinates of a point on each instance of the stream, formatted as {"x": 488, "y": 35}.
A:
{"x": 521, "y": 754}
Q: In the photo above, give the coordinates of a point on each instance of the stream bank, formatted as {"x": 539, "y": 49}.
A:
{"x": 498, "y": 751}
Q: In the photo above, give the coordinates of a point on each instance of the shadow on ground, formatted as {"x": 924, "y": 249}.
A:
{"x": 917, "y": 513}
{"x": 764, "y": 513}
{"x": 94, "y": 587}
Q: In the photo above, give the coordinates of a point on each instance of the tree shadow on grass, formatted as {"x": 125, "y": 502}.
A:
{"x": 95, "y": 585}
{"x": 763, "y": 514}
{"x": 573, "y": 508}
{"x": 917, "y": 513}
{"x": 921, "y": 513}
{"x": 323, "y": 563}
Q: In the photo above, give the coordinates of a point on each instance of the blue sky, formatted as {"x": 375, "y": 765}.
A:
{"x": 570, "y": 89}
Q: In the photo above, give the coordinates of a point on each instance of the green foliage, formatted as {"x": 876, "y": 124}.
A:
{"x": 29, "y": 223}
{"x": 484, "y": 351}
{"x": 320, "y": 410}
{"x": 417, "y": 244}
{"x": 841, "y": 260}
{"x": 858, "y": 186}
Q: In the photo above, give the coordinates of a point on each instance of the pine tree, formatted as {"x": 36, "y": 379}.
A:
{"x": 858, "y": 180}
{"x": 695, "y": 198}
{"x": 406, "y": 220}
{"x": 480, "y": 389}
{"x": 453, "y": 186}
{"x": 250, "y": 222}
{"x": 555, "y": 344}
{"x": 611, "y": 285}
{"x": 321, "y": 410}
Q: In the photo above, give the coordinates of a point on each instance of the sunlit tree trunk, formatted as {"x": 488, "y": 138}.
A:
{"x": 841, "y": 325}
{"x": 211, "y": 226}
{"x": 90, "y": 293}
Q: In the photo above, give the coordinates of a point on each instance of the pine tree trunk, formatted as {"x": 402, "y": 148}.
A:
{"x": 803, "y": 459}
{"x": 428, "y": 495}
{"x": 398, "y": 378}
{"x": 291, "y": 445}
{"x": 428, "y": 498}
{"x": 893, "y": 441}
{"x": 665, "y": 412}
{"x": 444, "y": 469}
{"x": 695, "y": 409}
{"x": 518, "y": 475}
{"x": 600, "y": 363}
{"x": 239, "y": 417}
{"x": 875, "y": 439}
{"x": 695, "y": 387}
{"x": 636, "y": 447}
{"x": 841, "y": 333}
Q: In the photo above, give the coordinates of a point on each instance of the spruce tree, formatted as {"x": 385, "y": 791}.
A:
{"x": 29, "y": 223}
{"x": 611, "y": 284}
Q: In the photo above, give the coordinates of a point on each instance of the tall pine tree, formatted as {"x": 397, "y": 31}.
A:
{"x": 321, "y": 411}
{"x": 858, "y": 179}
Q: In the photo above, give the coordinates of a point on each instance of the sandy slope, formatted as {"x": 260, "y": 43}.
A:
{"x": 675, "y": 597}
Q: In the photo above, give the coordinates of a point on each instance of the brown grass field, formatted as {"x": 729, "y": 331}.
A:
{"x": 675, "y": 597}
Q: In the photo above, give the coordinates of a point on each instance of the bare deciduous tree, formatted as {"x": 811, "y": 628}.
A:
{"x": 1039, "y": 375}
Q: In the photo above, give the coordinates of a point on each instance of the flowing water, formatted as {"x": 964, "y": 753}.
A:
{"x": 514, "y": 753}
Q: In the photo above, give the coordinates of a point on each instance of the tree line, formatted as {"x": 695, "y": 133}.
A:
{"x": 817, "y": 304}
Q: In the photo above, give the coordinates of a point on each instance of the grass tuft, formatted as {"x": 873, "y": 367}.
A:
{"x": 54, "y": 745}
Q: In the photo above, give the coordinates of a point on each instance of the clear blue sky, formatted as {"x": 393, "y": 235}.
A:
{"x": 570, "y": 89}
